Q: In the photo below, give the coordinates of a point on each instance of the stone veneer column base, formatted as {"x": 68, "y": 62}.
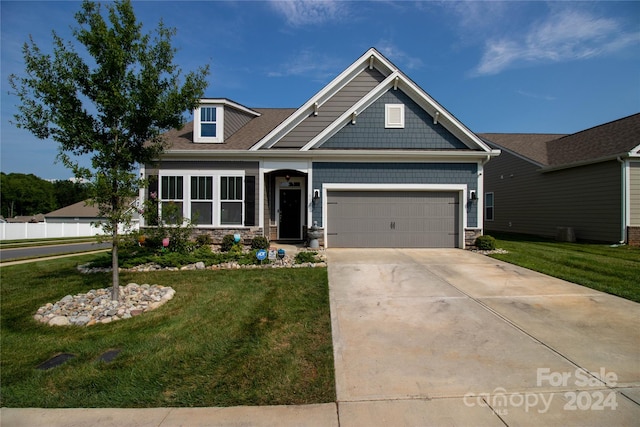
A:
{"x": 633, "y": 235}
{"x": 470, "y": 236}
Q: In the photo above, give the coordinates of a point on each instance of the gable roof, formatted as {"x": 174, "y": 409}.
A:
{"x": 619, "y": 138}
{"x": 393, "y": 79}
{"x": 76, "y": 210}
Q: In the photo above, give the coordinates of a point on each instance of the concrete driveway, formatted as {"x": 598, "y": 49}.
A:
{"x": 449, "y": 337}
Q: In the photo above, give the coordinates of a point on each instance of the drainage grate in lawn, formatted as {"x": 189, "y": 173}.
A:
{"x": 108, "y": 356}
{"x": 55, "y": 361}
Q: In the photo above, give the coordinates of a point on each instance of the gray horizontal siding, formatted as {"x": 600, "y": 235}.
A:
{"x": 369, "y": 131}
{"x": 332, "y": 109}
{"x": 587, "y": 198}
{"x": 634, "y": 191}
{"x": 396, "y": 173}
{"x": 234, "y": 120}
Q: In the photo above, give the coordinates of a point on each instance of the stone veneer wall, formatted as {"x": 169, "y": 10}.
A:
{"x": 218, "y": 233}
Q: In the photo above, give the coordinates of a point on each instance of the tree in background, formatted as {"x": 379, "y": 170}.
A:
{"x": 25, "y": 195}
{"x": 68, "y": 192}
{"x": 112, "y": 107}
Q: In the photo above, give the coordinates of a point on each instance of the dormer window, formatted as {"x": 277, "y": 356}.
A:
{"x": 208, "y": 124}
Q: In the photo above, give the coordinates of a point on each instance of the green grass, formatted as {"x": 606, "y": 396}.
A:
{"x": 23, "y": 243}
{"x": 259, "y": 337}
{"x": 615, "y": 270}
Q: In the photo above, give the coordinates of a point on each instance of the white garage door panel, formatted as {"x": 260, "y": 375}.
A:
{"x": 417, "y": 219}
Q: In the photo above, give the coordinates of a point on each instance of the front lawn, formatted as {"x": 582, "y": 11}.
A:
{"x": 615, "y": 270}
{"x": 248, "y": 337}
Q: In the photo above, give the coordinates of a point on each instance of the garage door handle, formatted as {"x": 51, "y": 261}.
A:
{"x": 392, "y": 225}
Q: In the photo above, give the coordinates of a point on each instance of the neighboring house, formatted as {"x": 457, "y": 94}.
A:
{"x": 371, "y": 159}
{"x": 588, "y": 181}
{"x": 80, "y": 212}
{"x": 83, "y": 213}
{"x": 26, "y": 218}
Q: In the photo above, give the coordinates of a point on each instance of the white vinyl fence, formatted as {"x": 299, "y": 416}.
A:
{"x": 44, "y": 230}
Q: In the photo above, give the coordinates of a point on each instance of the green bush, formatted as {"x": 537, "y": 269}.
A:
{"x": 227, "y": 243}
{"x": 305, "y": 257}
{"x": 203, "y": 240}
{"x": 260, "y": 242}
{"x": 486, "y": 243}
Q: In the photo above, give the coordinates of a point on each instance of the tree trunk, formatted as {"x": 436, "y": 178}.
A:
{"x": 115, "y": 289}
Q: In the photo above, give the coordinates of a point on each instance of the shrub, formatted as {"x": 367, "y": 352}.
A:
{"x": 305, "y": 257}
{"x": 203, "y": 240}
{"x": 227, "y": 243}
{"x": 486, "y": 243}
{"x": 260, "y": 242}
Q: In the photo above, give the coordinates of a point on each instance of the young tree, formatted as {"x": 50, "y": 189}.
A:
{"x": 112, "y": 107}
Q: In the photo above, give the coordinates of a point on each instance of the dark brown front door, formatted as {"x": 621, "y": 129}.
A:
{"x": 289, "y": 224}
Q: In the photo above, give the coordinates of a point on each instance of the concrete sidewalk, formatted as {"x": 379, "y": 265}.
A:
{"x": 265, "y": 416}
{"x": 443, "y": 337}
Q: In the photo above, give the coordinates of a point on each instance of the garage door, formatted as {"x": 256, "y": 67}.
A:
{"x": 392, "y": 219}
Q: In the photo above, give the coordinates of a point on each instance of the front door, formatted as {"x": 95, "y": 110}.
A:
{"x": 289, "y": 226}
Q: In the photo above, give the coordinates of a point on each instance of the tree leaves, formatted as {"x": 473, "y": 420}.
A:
{"x": 112, "y": 107}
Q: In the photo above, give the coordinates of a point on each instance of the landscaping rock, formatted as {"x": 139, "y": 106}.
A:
{"x": 59, "y": 321}
{"x": 96, "y": 306}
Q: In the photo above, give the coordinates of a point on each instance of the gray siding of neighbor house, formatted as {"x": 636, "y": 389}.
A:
{"x": 587, "y": 198}
{"x": 251, "y": 169}
{"x": 396, "y": 173}
{"x": 332, "y": 109}
{"x": 234, "y": 120}
{"x": 634, "y": 191}
{"x": 369, "y": 131}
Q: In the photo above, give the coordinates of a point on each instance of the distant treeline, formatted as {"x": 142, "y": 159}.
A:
{"x": 22, "y": 194}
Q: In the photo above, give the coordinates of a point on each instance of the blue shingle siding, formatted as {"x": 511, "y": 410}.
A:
{"x": 396, "y": 173}
{"x": 369, "y": 132}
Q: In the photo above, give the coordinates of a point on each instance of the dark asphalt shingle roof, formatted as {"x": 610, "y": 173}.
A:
{"x": 606, "y": 140}
{"x": 243, "y": 139}
{"x": 76, "y": 210}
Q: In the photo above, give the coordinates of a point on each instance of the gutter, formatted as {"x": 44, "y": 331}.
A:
{"x": 336, "y": 155}
{"x": 623, "y": 221}
{"x": 587, "y": 162}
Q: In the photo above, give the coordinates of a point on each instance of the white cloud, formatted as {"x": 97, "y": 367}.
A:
{"x": 309, "y": 12}
{"x": 566, "y": 36}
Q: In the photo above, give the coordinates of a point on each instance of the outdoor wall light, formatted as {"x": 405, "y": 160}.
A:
{"x": 473, "y": 195}
{"x": 316, "y": 194}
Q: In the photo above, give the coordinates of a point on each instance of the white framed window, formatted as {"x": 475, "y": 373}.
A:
{"x": 208, "y": 124}
{"x": 172, "y": 199}
{"x": 488, "y": 206}
{"x": 208, "y": 198}
{"x": 231, "y": 200}
{"x": 394, "y": 116}
{"x": 202, "y": 200}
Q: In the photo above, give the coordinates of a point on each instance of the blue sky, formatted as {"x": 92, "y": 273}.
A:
{"x": 543, "y": 67}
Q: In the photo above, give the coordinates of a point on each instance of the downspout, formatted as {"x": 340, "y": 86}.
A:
{"x": 623, "y": 222}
